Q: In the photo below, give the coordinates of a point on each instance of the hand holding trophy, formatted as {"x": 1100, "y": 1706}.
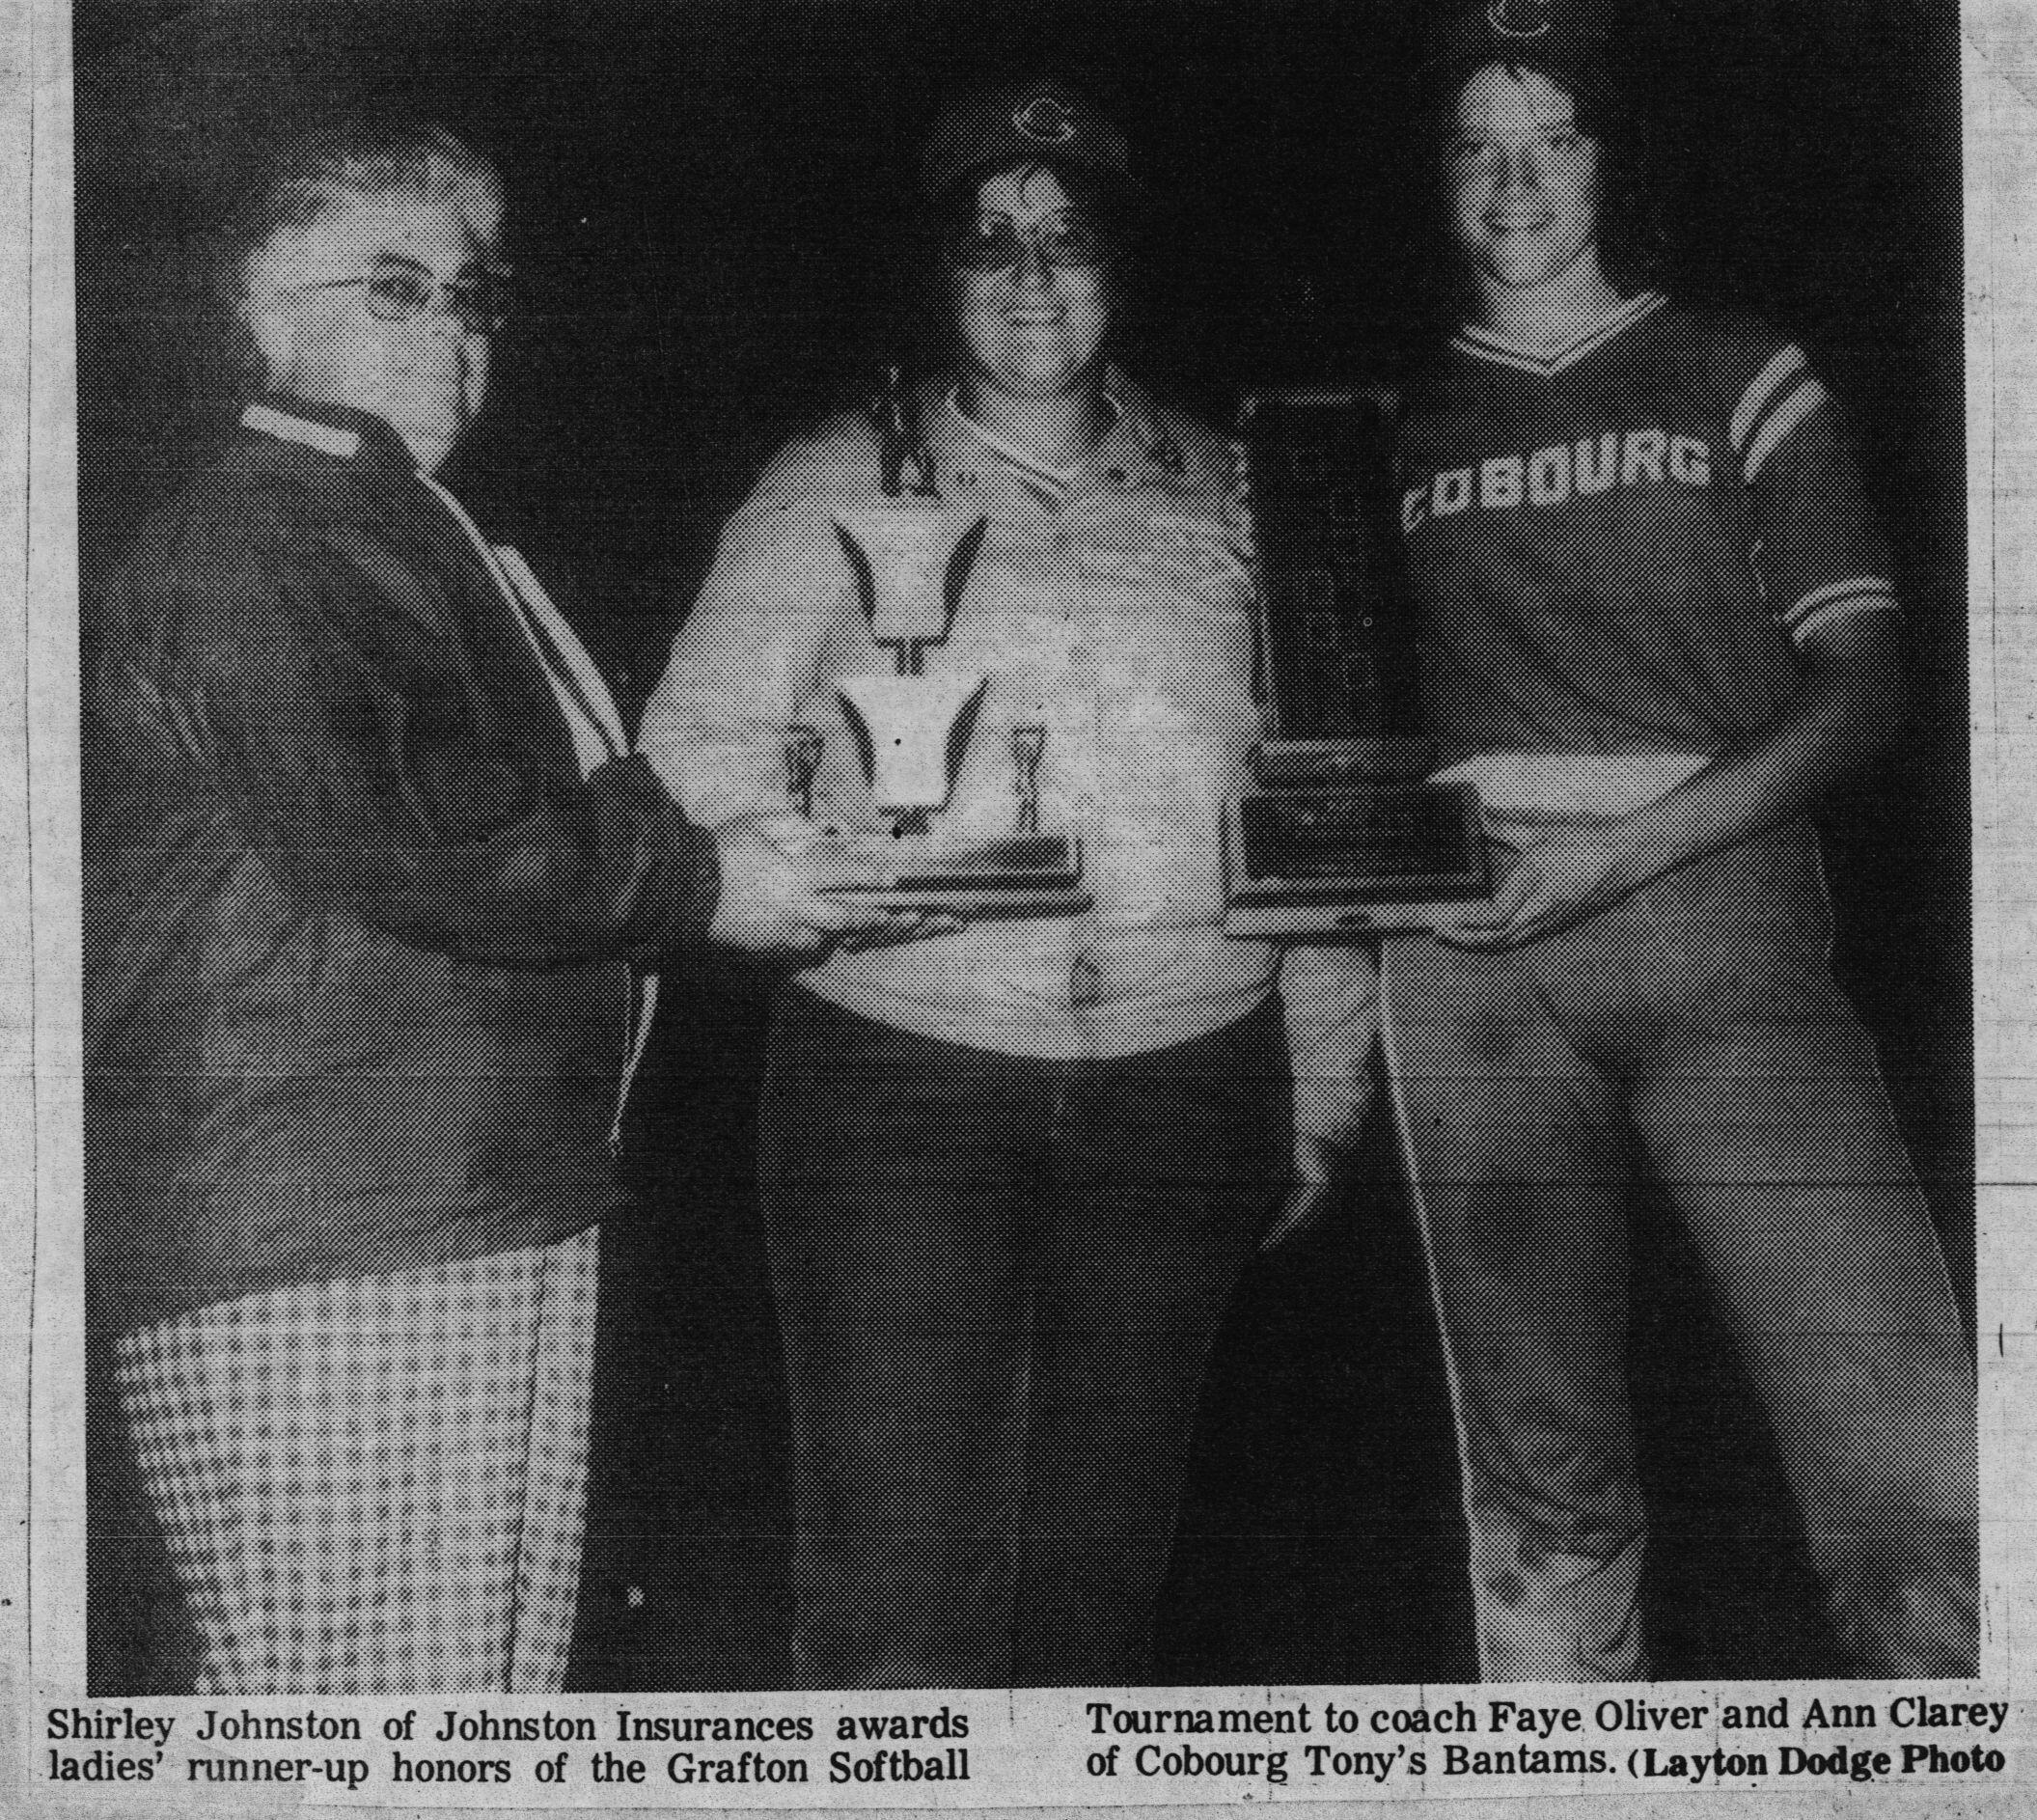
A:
{"x": 768, "y": 903}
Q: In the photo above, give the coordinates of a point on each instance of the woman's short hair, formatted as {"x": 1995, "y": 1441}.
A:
{"x": 351, "y": 159}
{"x": 362, "y": 159}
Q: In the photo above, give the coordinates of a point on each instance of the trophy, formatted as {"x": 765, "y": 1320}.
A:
{"x": 912, "y": 731}
{"x": 1343, "y": 836}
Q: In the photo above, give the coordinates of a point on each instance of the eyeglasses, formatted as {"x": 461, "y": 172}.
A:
{"x": 994, "y": 243}
{"x": 401, "y": 290}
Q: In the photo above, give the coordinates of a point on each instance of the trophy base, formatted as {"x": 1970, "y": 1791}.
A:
{"x": 1365, "y": 859}
{"x": 1018, "y": 876}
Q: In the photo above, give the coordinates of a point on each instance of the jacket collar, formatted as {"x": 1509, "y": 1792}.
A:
{"x": 1016, "y": 458}
{"x": 332, "y": 430}
{"x": 1137, "y": 436}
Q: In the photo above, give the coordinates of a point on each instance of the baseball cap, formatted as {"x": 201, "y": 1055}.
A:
{"x": 1564, "y": 35}
{"x": 1009, "y": 122}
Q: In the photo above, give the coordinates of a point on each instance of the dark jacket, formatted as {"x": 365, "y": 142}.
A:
{"x": 357, "y": 931}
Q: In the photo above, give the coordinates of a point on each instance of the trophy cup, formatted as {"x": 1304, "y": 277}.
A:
{"x": 1343, "y": 837}
{"x": 912, "y": 731}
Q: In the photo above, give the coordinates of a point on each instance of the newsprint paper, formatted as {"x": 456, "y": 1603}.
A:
{"x": 925, "y": 1423}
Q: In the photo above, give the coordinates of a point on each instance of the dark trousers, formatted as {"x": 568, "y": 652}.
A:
{"x": 1694, "y": 1031}
{"x": 998, "y": 1281}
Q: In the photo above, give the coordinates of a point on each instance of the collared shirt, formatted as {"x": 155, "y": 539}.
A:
{"x": 1110, "y": 604}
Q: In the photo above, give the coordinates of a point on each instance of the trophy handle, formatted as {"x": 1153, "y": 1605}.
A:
{"x": 1029, "y": 744}
{"x": 804, "y": 747}
{"x": 962, "y": 729}
{"x": 961, "y": 564}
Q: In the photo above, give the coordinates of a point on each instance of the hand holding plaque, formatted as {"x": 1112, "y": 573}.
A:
{"x": 912, "y": 733}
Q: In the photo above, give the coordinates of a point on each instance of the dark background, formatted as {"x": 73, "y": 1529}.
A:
{"x": 709, "y": 204}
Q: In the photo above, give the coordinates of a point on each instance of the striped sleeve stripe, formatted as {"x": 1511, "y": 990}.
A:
{"x": 1839, "y": 610}
{"x": 1767, "y": 383}
{"x": 1863, "y": 593}
{"x": 1787, "y": 415}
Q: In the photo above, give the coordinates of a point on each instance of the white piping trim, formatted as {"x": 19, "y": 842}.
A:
{"x": 1765, "y": 385}
{"x": 1833, "y": 610}
{"x": 1409, "y": 1170}
{"x": 645, "y": 1008}
{"x": 593, "y": 685}
{"x": 592, "y": 745}
{"x": 1787, "y": 415}
{"x": 1852, "y": 585}
{"x": 346, "y": 444}
{"x": 1486, "y": 345}
{"x": 486, "y": 550}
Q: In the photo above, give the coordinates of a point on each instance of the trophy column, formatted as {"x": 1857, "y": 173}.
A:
{"x": 1344, "y": 837}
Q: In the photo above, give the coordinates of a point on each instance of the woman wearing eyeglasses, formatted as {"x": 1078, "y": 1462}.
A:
{"x": 1012, "y": 1171}
{"x": 368, "y": 858}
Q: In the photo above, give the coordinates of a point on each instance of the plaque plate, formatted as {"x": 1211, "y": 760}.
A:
{"x": 1358, "y": 860}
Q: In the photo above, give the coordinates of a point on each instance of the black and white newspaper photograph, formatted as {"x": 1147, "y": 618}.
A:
{"x": 1018, "y": 906}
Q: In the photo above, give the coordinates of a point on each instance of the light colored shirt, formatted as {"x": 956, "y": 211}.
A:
{"x": 1109, "y": 603}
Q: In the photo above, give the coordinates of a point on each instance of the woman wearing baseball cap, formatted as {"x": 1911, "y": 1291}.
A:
{"x": 1012, "y": 1172}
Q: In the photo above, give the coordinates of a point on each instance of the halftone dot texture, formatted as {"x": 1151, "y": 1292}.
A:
{"x": 376, "y": 1485}
{"x": 1110, "y": 604}
{"x": 1010, "y": 1191}
{"x": 998, "y": 1278}
{"x": 1694, "y": 1032}
{"x": 337, "y": 784}
{"x": 1613, "y": 546}
{"x": 1616, "y": 544}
